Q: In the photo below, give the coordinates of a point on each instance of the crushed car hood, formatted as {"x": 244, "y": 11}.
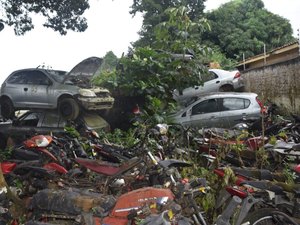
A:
{"x": 84, "y": 71}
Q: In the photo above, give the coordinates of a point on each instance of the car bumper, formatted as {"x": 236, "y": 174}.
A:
{"x": 96, "y": 103}
{"x": 237, "y": 84}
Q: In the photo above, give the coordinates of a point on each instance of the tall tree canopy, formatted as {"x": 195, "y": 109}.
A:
{"x": 154, "y": 13}
{"x": 61, "y": 15}
{"x": 110, "y": 61}
{"x": 153, "y": 72}
{"x": 243, "y": 26}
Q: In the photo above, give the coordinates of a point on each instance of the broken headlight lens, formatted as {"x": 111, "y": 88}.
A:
{"x": 87, "y": 93}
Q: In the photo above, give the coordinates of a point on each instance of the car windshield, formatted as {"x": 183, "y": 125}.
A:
{"x": 57, "y": 75}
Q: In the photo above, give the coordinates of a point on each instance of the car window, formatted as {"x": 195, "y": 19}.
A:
{"x": 30, "y": 120}
{"x": 57, "y": 75}
{"x": 207, "y": 106}
{"x": 50, "y": 120}
{"x": 18, "y": 78}
{"x": 235, "y": 103}
{"x": 37, "y": 78}
{"x": 209, "y": 76}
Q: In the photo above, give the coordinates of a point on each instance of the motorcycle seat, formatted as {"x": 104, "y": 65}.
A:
{"x": 265, "y": 185}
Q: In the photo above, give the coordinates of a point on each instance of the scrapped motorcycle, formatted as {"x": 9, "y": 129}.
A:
{"x": 28, "y": 177}
{"x": 139, "y": 171}
{"x": 264, "y": 198}
{"x": 75, "y": 206}
{"x": 35, "y": 148}
{"x": 147, "y": 205}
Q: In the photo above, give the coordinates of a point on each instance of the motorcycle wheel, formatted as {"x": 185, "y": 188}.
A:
{"x": 268, "y": 216}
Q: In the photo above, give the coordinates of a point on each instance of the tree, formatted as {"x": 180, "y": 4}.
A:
{"x": 110, "y": 61}
{"x": 154, "y": 13}
{"x": 154, "y": 72}
{"x": 244, "y": 27}
{"x": 60, "y": 15}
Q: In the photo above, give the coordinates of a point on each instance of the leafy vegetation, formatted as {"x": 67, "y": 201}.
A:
{"x": 166, "y": 65}
{"x": 155, "y": 12}
{"x": 60, "y": 15}
{"x": 244, "y": 27}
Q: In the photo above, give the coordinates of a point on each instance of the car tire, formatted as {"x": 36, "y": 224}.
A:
{"x": 7, "y": 108}
{"x": 68, "y": 108}
{"x": 226, "y": 88}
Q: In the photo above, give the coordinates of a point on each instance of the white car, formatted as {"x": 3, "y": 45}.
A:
{"x": 216, "y": 80}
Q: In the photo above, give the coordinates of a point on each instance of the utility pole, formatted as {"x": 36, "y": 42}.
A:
{"x": 265, "y": 55}
{"x": 298, "y": 34}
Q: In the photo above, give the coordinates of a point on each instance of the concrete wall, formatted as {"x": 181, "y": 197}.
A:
{"x": 279, "y": 82}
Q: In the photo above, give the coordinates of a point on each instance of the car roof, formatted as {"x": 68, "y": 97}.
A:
{"x": 210, "y": 94}
{"x": 220, "y": 94}
{"x": 221, "y": 72}
{"x": 87, "y": 67}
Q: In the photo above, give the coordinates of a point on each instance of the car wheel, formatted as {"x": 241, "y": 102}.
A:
{"x": 226, "y": 88}
{"x": 68, "y": 108}
{"x": 7, "y": 108}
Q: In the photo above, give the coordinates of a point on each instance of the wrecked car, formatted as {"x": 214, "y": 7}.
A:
{"x": 215, "y": 80}
{"x": 219, "y": 109}
{"x": 46, "y": 122}
{"x": 42, "y": 88}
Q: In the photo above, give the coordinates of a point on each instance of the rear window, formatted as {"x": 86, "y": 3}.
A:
{"x": 53, "y": 120}
{"x": 235, "y": 103}
{"x": 30, "y": 120}
{"x": 94, "y": 121}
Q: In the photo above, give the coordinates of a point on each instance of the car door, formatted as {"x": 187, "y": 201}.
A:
{"x": 36, "y": 90}
{"x": 233, "y": 109}
{"x": 14, "y": 88}
{"x": 211, "y": 82}
{"x": 203, "y": 114}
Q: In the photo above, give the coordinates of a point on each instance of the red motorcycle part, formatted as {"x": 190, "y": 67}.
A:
{"x": 297, "y": 168}
{"x": 134, "y": 200}
{"x": 236, "y": 192}
{"x": 7, "y": 167}
{"x": 36, "y": 141}
{"x": 39, "y": 142}
{"x": 46, "y": 152}
{"x": 239, "y": 180}
{"x": 106, "y": 168}
{"x": 55, "y": 167}
{"x": 254, "y": 143}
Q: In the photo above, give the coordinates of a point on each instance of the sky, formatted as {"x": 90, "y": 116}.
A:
{"x": 110, "y": 28}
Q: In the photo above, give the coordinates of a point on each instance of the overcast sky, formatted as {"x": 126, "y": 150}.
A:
{"x": 111, "y": 28}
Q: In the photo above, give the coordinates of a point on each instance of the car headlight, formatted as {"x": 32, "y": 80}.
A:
{"x": 87, "y": 93}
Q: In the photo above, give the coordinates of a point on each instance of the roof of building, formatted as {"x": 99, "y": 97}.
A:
{"x": 281, "y": 49}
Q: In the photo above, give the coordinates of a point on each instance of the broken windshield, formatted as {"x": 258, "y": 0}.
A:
{"x": 57, "y": 75}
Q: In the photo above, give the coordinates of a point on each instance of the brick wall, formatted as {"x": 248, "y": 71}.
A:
{"x": 279, "y": 82}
